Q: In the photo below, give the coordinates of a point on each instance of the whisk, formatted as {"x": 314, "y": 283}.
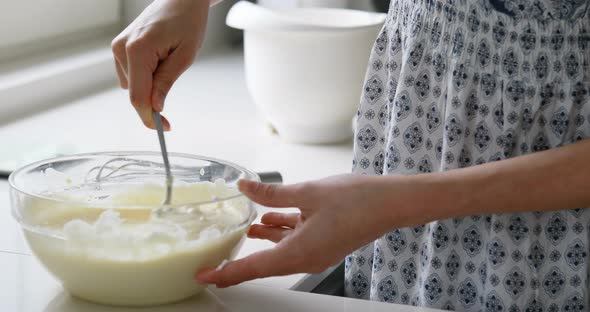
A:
{"x": 169, "y": 179}
{"x": 129, "y": 168}
{"x": 121, "y": 168}
{"x": 126, "y": 168}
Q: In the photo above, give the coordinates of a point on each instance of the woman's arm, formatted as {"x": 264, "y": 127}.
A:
{"x": 542, "y": 181}
{"x": 342, "y": 213}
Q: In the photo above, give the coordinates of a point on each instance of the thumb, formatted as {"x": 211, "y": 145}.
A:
{"x": 265, "y": 263}
{"x": 167, "y": 73}
{"x": 271, "y": 195}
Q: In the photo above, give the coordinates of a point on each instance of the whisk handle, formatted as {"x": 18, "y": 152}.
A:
{"x": 270, "y": 177}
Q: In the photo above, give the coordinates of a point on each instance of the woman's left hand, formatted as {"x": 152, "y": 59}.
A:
{"x": 342, "y": 213}
{"x": 338, "y": 215}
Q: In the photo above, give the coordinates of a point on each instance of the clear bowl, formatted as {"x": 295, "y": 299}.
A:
{"x": 126, "y": 273}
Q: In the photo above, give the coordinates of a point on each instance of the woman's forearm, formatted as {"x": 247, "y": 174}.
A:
{"x": 549, "y": 180}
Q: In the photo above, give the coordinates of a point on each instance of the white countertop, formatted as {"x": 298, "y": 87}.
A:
{"x": 26, "y": 287}
{"x": 211, "y": 114}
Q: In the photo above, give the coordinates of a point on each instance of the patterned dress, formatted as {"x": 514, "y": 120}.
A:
{"x": 457, "y": 83}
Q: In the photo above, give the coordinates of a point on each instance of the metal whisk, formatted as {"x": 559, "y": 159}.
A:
{"x": 127, "y": 168}
{"x": 169, "y": 178}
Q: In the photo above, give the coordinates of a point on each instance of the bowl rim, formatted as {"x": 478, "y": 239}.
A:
{"x": 13, "y": 187}
{"x": 282, "y": 19}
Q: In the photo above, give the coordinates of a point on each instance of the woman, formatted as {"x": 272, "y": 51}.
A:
{"x": 470, "y": 166}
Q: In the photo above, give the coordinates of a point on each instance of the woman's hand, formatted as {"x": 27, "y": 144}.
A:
{"x": 338, "y": 215}
{"x": 342, "y": 213}
{"x": 155, "y": 49}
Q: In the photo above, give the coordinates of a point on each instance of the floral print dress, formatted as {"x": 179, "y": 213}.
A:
{"x": 457, "y": 83}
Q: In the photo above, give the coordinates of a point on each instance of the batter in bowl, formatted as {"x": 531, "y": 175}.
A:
{"x": 128, "y": 255}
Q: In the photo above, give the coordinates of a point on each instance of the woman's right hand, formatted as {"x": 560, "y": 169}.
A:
{"x": 155, "y": 49}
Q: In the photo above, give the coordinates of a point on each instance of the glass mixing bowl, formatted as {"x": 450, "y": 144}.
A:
{"x": 125, "y": 252}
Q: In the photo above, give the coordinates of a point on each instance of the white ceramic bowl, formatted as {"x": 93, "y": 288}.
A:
{"x": 305, "y": 67}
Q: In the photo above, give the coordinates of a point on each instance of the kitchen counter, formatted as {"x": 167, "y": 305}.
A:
{"x": 27, "y": 287}
{"x": 211, "y": 114}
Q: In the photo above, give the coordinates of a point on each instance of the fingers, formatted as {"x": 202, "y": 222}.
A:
{"x": 271, "y": 195}
{"x": 271, "y": 233}
{"x": 165, "y": 123}
{"x": 280, "y": 219}
{"x": 137, "y": 76}
{"x": 120, "y": 56}
{"x": 167, "y": 73}
{"x": 271, "y": 262}
{"x": 122, "y": 75}
{"x": 141, "y": 65}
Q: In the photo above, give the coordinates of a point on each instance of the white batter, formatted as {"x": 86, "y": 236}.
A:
{"x": 127, "y": 255}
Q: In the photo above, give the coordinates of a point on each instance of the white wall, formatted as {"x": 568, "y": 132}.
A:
{"x": 132, "y": 8}
{"x": 26, "y": 21}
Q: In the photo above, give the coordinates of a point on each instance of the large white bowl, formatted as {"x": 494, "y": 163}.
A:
{"x": 305, "y": 67}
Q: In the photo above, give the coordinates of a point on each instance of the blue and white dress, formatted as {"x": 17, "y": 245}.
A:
{"x": 457, "y": 83}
